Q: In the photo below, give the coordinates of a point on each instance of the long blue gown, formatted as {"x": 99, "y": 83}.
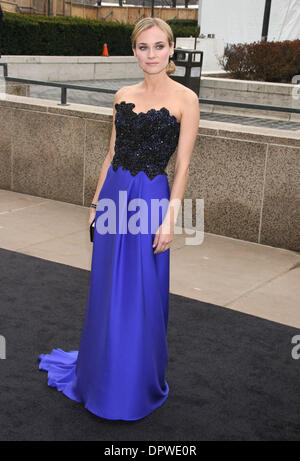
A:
{"x": 119, "y": 370}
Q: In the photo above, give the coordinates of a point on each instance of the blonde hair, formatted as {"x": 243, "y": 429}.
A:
{"x": 147, "y": 23}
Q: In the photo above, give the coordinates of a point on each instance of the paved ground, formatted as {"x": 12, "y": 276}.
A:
{"x": 247, "y": 277}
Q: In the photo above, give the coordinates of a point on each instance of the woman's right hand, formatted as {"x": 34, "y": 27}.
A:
{"x": 92, "y": 215}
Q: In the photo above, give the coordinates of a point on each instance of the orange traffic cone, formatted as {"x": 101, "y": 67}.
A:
{"x": 105, "y": 50}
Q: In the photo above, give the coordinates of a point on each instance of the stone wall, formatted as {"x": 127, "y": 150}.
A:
{"x": 246, "y": 175}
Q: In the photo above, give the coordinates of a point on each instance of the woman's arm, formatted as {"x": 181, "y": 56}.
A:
{"x": 108, "y": 159}
{"x": 103, "y": 172}
{"x": 189, "y": 126}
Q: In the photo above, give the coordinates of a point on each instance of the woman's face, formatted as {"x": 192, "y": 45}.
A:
{"x": 152, "y": 50}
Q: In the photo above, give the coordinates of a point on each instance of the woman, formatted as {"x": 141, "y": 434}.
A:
{"x": 119, "y": 370}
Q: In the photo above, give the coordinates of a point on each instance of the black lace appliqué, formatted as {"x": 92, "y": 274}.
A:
{"x": 145, "y": 141}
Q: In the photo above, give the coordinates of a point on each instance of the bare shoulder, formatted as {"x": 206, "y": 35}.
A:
{"x": 188, "y": 101}
{"x": 191, "y": 96}
{"x": 188, "y": 97}
{"x": 123, "y": 92}
{"x": 119, "y": 94}
{"x": 189, "y": 105}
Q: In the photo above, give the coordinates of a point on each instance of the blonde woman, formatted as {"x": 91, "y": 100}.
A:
{"x": 119, "y": 370}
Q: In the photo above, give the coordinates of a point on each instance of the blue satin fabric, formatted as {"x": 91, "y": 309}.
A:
{"x": 119, "y": 370}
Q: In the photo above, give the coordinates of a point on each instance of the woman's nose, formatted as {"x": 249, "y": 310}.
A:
{"x": 151, "y": 52}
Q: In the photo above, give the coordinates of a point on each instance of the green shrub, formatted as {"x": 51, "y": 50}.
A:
{"x": 65, "y": 36}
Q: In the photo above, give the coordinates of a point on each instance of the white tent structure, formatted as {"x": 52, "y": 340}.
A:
{"x": 241, "y": 21}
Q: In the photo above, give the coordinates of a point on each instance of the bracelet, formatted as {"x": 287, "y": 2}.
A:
{"x": 93, "y": 205}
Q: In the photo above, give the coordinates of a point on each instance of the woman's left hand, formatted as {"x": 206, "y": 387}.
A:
{"x": 163, "y": 238}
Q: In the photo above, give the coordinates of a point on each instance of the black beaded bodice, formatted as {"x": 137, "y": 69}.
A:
{"x": 145, "y": 141}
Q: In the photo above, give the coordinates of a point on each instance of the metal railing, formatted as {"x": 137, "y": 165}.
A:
{"x": 65, "y": 86}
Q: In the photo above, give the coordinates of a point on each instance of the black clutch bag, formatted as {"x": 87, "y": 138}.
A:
{"x": 92, "y": 230}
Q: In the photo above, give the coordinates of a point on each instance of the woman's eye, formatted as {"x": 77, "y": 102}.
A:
{"x": 142, "y": 47}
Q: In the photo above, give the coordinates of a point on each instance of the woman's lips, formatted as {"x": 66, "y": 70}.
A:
{"x": 152, "y": 63}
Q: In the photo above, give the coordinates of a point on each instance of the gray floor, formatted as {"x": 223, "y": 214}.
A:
{"x": 106, "y": 100}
